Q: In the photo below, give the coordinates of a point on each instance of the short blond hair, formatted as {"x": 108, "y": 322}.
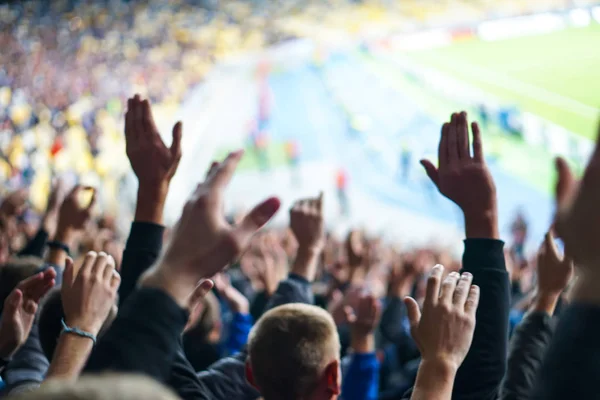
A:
{"x": 289, "y": 348}
{"x": 101, "y": 387}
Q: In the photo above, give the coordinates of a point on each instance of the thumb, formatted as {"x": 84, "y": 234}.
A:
{"x": 255, "y": 219}
{"x": 431, "y": 171}
{"x": 565, "y": 183}
{"x": 200, "y": 292}
{"x": 414, "y": 313}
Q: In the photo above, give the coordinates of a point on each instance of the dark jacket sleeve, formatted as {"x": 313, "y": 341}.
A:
{"x": 295, "y": 289}
{"x": 138, "y": 341}
{"x": 572, "y": 363}
{"x": 141, "y": 251}
{"x": 527, "y": 349}
{"x": 36, "y": 245}
{"x": 481, "y": 374}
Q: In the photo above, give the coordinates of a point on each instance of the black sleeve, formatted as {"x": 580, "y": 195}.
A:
{"x": 36, "y": 245}
{"x": 392, "y": 330}
{"x": 141, "y": 251}
{"x": 138, "y": 341}
{"x": 481, "y": 374}
{"x": 527, "y": 348}
{"x": 572, "y": 363}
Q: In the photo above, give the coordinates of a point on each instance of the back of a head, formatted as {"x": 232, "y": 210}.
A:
{"x": 106, "y": 387}
{"x": 289, "y": 349}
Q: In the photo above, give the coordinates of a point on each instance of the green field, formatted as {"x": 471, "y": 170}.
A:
{"x": 555, "y": 76}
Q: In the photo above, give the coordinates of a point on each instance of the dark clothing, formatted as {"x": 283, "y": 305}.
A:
{"x": 481, "y": 374}
{"x": 527, "y": 348}
{"x": 141, "y": 251}
{"x": 572, "y": 363}
{"x": 36, "y": 245}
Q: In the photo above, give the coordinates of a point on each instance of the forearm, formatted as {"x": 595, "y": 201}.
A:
{"x": 434, "y": 381}
{"x": 545, "y": 303}
{"x": 70, "y": 357}
{"x": 151, "y": 203}
{"x": 482, "y": 225}
{"x": 306, "y": 262}
{"x": 362, "y": 344}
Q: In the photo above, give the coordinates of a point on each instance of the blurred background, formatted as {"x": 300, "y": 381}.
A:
{"x": 339, "y": 96}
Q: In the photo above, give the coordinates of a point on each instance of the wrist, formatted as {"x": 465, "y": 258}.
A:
{"x": 80, "y": 324}
{"x": 150, "y": 203}
{"x": 435, "y": 379}
{"x": 306, "y": 261}
{"x": 545, "y": 302}
{"x": 482, "y": 225}
{"x": 362, "y": 343}
{"x": 65, "y": 234}
{"x": 178, "y": 287}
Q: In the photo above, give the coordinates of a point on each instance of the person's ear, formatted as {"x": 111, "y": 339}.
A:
{"x": 250, "y": 375}
{"x": 333, "y": 378}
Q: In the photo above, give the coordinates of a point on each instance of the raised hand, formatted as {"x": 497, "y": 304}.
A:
{"x": 554, "y": 272}
{"x": 355, "y": 249}
{"x": 202, "y": 241}
{"x": 237, "y": 302}
{"x": 153, "y": 163}
{"x": 306, "y": 223}
{"x": 14, "y": 204}
{"x": 19, "y": 311}
{"x": 55, "y": 200}
{"x": 577, "y": 214}
{"x": 444, "y": 330}
{"x": 268, "y": 272}
{"x": 89, "y": 292}
{"x": 464, "y": 178}
{"x": 364, "y": 319}
{"x": 73, "y": 215}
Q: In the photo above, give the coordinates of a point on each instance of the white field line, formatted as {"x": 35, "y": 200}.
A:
{"x": 501, "y": 80}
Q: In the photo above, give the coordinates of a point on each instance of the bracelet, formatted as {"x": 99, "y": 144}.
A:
{"x": 53, "y": 244}
{"x": 77, "y": 331}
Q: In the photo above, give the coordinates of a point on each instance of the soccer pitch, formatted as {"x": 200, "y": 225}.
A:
{"x": 555, "y": 76}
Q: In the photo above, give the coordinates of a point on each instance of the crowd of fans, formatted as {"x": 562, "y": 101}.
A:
{"x": 227, "y": 310}
{"x": 222, "y": 307}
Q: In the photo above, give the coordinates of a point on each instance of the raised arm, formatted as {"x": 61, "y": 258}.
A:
{"x": 145, "y": 336}
{"x": 571, "y": 367}
{"x": 532, "y": 336}
{"x": 361, "y": 381}
{"x": 465, "y": 179}
{"x": 88, "y": 294}
{"x": 154, "y": 164}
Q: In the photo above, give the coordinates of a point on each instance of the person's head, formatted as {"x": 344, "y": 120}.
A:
{"x": 14, "y": 271}
{"x": 105, "y": 387}
{"x": 294, "y": 353}
{"x": 49, "y": 322}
